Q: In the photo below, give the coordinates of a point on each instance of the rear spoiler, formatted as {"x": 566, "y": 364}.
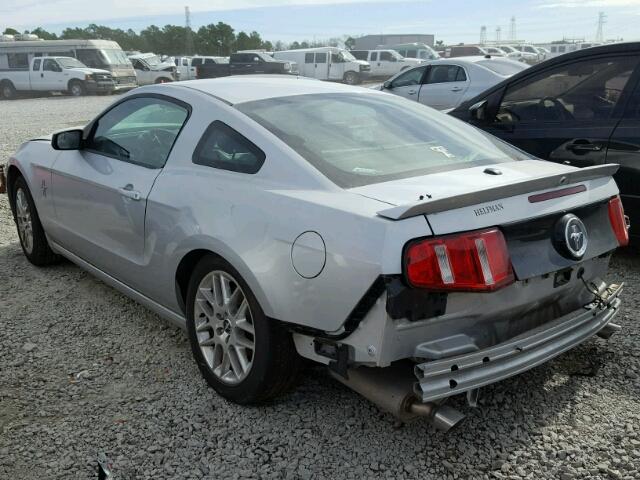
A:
{"x": 497, "y": 193}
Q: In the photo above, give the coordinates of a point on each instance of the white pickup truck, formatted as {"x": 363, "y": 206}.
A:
{"x": 385, "y": 63}
{"x": 55, "y": 74}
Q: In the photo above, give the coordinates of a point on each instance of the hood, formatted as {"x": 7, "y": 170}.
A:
{"x": 413, "y": 61}
{"x": 360, "y": 62}
{"x": 90, "y": 70}
{"x": 457, "y": 182}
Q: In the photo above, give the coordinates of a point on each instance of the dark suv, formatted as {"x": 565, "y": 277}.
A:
{"x": 581, "y": 108}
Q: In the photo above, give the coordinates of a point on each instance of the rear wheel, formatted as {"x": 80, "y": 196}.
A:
{"x": 32, "y": 238}
{"x": 351, "y": 78}
{"x": 76, "y": 88}
{"x": 8, "y": 90}
{"x": 244, "y": 356}
{"x": 163, "y": 80}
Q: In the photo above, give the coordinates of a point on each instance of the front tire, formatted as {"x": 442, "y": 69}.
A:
{"x": 242, "y": 355}
{"x": 351, "y": 78}
{"x": 76, "y": 88}
{"x": 32, "y": 237}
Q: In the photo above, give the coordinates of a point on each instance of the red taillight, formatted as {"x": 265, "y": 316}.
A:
{"x": 618, "y": 221}
{"x": 473, "y": 261}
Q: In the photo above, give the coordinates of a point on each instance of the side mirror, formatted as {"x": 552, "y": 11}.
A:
{"x": 478, "y": 111}
{"x": 67, "y": 140}
{"x": 387, "y": 85}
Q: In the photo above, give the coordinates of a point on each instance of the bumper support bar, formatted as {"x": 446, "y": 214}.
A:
{"x": 450, "y": 376}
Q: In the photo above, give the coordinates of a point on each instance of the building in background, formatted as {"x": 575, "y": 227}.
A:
{"x": 370, "y": 42}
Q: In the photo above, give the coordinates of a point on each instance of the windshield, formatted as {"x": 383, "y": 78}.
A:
{"x": 266, "y": 57}
{"x": 115, "y": 57}
{"x": 505, "y": 68}
{"x": 151, "y": 60}
{"x": 396, "y": 55}
{"x": 430, "y": 53}
{"x": 68, "y": 62}
{"x": 360, "y": 139}
{"x": 347, "y": 56}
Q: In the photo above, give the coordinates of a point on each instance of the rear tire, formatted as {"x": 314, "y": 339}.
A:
{"x": 242, "y": 355}
{"x": 32, "y": 237}
{"x": 163, "y": 80}
{"x": 351, "y": 78}
{"x": 7, "y": 90}
{"x": 76, "y": 88}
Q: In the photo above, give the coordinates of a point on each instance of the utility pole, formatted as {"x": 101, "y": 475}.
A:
{"x": 483, "y": 34}
{"x": 188, "y": 41}
{"x": 498, "y": 34}
{"x": 602, "y": 19}
{"x": 512, "y": 29}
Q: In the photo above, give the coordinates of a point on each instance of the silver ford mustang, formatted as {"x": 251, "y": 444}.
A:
{"x": 277, "y": 218}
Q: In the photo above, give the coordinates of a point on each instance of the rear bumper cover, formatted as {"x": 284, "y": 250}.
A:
{"x": 450, "y": 376}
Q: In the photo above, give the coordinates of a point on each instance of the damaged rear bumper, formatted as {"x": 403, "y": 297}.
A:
{"x": 450, "y": 376}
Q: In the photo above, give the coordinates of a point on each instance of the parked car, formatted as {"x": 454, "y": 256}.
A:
{"x": 327, "y": 63}
{"x": 244, "y": 64}
{"x": 415, "y": 256}
{"x": 420, "y": 51}
{"x": 527, "y": 53}
{"x": 444, "y": 84}
{"x": 385, "y": 63}
{"x": 465, "y": 51}
{"x": 187, "y": 66}
{"x": 494, "y": 51}
{"x": 150, "y": 69}
{"x": 512, "y": 53}
{"x": 16, "y": 56}
{"x": 581, "y": 109}
{"x": 56, "y": 74}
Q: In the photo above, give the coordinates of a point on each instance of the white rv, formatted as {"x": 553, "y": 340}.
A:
{"x": 16, "y": 55}
{"x": 327, "y": 63}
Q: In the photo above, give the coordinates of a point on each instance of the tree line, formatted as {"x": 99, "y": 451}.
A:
{"x": 212, "y": 39}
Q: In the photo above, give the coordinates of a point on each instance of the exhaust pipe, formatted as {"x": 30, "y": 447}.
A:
{"x": 391, "y": 389}
{"x": 608, "y": 330}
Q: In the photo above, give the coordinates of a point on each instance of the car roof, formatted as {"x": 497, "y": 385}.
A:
{"x": 247, "y": 88}
{"x": 600, "y": 50}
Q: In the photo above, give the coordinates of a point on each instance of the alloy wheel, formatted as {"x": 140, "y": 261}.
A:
{"x": 224, "y": 327}
{"x": 23, "y": 217}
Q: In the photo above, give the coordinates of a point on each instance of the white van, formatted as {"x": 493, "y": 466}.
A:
{"x": 327, "y": 63}
{"x": 385, "y": 63}
{"x": 16, "y": 55}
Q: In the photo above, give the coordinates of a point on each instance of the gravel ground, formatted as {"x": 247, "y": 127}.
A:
{"x": 85, "y": 370}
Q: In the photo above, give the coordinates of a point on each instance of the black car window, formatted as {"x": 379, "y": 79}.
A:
{"x": 374, "y": 57}
{"x": 50, "y": 66}
{"x": 633, "y": 107}
{"x": 224, "y": 148}
{"x": 412, "y": 77}
{"x": 36, "y": 65}
{"x": 321, "y": 57}
{"x": 308, "y": 58}
{"x": 196, "y": 62}
{"x": 386, "y": 57}
{"x": 141, "y": 130}
{"x": 579, "y": 91}
{"x": 445, "y": 73}
{"x": 360, "y": 54}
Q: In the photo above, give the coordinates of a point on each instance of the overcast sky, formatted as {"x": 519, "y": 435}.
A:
{"x": 451, "y": 21}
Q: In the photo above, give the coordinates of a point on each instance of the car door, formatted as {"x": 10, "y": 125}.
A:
{"x": 444, "y": 86}
{"x": 565, "y": 114}
{"x": 143, "y": 74}
{"x": 100, "y": 191}
{"x": 624, "y": 149}
{"x": 52, "y": 75}
{"x": 407, "y": 84}
{"x": 375, "y": 64}
{"x": 321, "y": 66}
{"x": 388, "y": 64}
{"x": 36, "y": 73}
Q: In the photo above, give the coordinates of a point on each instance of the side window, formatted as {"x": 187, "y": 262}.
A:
{"x": 209, "y": 61}
{"x": 36, "y": 65}
{"x": 224, "y": 148}
{"x": 411, "y": 54}
{"x": 386, "y": 57}
{"x": 461, "y": 75}
{"x": 18, "y": 60}
{"x": 308, "y": 58}
{"x": 360, "y": 54}
{"x": 196, "y": 62}
{"x": 579, "y": 91}
{"x": 140, "y": 130}
{"x": 335, "y": 58}
{"x": 374, "y": 57}
{"x": 412, "y": 77}
{"x": 50, "y": 66}
{"x": 255, "y": 59}
{"x": 321, "y": 57}
{"x": 443, "y": 74}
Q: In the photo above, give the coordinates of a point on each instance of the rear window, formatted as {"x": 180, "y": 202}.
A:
{"x": 360, "y": 139}
{"x": 503, "y": 67}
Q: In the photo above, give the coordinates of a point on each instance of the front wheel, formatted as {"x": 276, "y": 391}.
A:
{"x": 351, "y": 78}
{"x": 243, "y": 355}
{"x": 32, "y": 237}
{"x": 76, "y": 88}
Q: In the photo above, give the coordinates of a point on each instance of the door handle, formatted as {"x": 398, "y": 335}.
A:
{"x": 456, "y": 89}
{"x": 42, "y": 75}
{"x": 129, "y": 192}
{"x": 411, "y": 92}
{"x": 579, "y": 146}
